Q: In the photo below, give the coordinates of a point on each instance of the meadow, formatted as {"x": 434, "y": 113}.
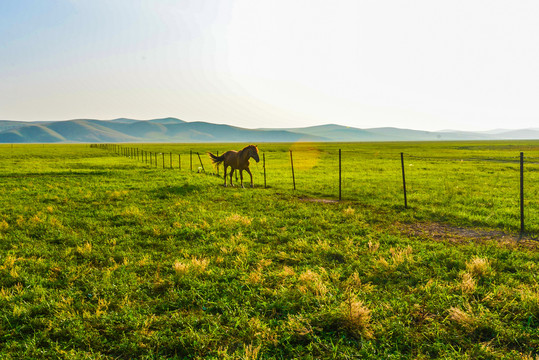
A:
{"x": 105, "y": 256}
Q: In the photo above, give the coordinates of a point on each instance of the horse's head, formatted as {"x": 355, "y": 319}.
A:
{"x": 253, "y": 152}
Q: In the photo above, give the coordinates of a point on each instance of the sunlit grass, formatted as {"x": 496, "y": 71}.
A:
{"x": 107, "y": 257}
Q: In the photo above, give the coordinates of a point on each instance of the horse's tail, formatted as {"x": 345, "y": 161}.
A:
{"x": 216, "y": 159}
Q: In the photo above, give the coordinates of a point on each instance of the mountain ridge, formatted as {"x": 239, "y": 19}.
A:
{"x": 172, "y": 129}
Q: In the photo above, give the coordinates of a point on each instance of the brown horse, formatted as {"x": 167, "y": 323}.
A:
{"x": 237, "y": 160}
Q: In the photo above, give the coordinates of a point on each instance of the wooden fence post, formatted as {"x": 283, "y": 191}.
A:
{"x": 264, "y": 167}
{"x": 163, "y": 159}
{"x": 340, "y": 176}
{"x": 404, "y": 181}
{"x": 521, "y": 194}
{"x": 201, "y": 164}
{"x": 292, "y": 164}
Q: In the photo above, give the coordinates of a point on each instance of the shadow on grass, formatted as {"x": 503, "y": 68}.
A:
{"x": 55, "y": 174}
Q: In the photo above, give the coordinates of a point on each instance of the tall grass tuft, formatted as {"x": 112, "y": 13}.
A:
{"x": 466, "y": 319}
{"x": 467, "y": 284}
{"x": 356, "y": 317}
{"x": 478, "y": 266}
{"x": 313, "y": 283}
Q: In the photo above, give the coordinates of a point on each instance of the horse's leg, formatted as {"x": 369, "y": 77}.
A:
{"x": 231, "y": 173}
{"x": 225, "y": 166}
{"x": 251, "y": 175}
{"x": 241, "y": 177}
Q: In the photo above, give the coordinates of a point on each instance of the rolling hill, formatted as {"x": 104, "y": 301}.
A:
{"x": 175, "y": 130}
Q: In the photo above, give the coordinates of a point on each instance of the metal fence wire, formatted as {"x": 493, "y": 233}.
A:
{"x": 484, "y": 186}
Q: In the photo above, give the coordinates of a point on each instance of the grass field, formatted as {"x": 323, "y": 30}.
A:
{"x": 106, "y": 257}
{"x": 464, "y": 183}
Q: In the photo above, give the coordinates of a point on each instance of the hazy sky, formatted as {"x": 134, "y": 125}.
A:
{"x": 470, "y": 65}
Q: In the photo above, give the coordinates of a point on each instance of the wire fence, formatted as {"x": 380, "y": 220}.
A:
{"x": 499, "y": 191}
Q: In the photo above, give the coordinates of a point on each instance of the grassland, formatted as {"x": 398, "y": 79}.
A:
{"x": 102, "y": 256}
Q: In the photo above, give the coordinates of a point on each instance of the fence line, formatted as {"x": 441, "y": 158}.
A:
{"x": 142, "y": 155}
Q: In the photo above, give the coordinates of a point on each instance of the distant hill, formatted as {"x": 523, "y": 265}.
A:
{"x": 175, "y": 130}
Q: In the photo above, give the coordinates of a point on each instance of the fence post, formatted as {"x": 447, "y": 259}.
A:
{"x": 404, "y": 181}
{"x": 292, "y": 164}
{"x": 201, "y": 164}
{"x": 521, "y": 194}
{"x": 163, "y": 159}
{"x": 340, "y": 176}
{"x": 264, "y": 167}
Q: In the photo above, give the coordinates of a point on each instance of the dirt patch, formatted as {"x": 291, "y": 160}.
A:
{"x": 323, "y": 201}
{"x": 455, "y": 234}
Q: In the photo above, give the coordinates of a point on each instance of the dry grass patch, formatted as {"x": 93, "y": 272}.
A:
{"x": 373, "y": 246}
{"x": 193, "y": 266}
{"x": 479, "y": 267}
{"x": 84, "y": 250}
{"x": 254, "y": 277}
{"x": 236, "y": 219}
{"x": 4, "y": 225}
{"x": 467, "y": 284}
{"x": 132, "y": 211}
{"x": 399, "y": 256}
{"x": 298, "y": 325}
{"x": 466, "y": 319}
{"x": 251, "y": 352}
{"x": 356, "y": 316}
{"x": 349, "y": 211}
{"x": 313, "y": 283}
{"x": 287, "y": 272}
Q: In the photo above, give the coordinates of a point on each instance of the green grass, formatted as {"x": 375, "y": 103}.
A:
{"x": 463, "y": 183}
{"x": 102, "y": 256}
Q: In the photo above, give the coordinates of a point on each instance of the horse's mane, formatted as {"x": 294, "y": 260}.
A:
{"x": 248, "y": 146}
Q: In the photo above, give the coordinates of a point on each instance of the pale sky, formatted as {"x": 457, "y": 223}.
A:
{"x": 427, "y": 64}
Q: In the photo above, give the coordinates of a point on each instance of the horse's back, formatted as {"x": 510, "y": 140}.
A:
{"x": 234, "y": 160}
{"x": 231, "y": 157}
